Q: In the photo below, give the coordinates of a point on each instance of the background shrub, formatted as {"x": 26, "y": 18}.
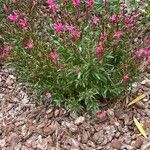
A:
{"x": 79, "y": 54}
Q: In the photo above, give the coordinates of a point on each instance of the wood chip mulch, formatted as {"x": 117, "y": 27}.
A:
{"x": 26, "y": 126}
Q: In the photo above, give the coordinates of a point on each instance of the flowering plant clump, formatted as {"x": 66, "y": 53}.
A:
{"x": 73, "y": 53}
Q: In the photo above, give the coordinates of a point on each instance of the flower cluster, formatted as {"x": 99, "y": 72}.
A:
{"x": 72, "y": 51}
{"x": 15, "y": 17}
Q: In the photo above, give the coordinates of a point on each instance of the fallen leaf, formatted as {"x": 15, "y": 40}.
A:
{"x": 140, "y": 128}
{"x": 137, "y": 99}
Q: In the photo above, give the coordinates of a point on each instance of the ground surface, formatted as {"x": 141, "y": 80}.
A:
{"x": 25, "y": 126}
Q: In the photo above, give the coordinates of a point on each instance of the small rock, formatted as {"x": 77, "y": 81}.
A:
{"x": 146, "y": 82}
{"x": 72, "y": 148}
{"x": 110, "y": 113}
{"x": 34, "y": 144}
{"x": 97, "y": 127}
{"x": 15, "y": 99}
{"x": 72, "y": 127}
{"x": 25, "y": 99}
{"x": 85, "y": 137}
{"x": 10, "y": 80}
{"x": 99, "y": 148}
{"x": 147, "y": 69}
{"x": 126, "y": 119}
{"x": 2, "y": 143}
{"x": 117, "y": 123}
{"x": 147, "y": 111}
{"x": 110, "y": 136}
{"x": 19, "y": 123}
{"x": 56, "y": 113}
{"x": 135, "y": 87}
{"x": 24, "y": 147}
{"x": 117, "y": 134}
{"x": 63, "y": 111}
{"x": 128, "y": 139}
{"x": 92, "y": 129}
{"x": 116, "y": 144}
{"x": 86, "y": 125}
{"x": 49, "y": 111}
{"x": 113, "y": 129}
{"x": 101, "y": 140}
{"x": 91, "y": 144}
{"x": 147, "y": 124}
{"x": 1, "y": 95}
{"x": 125, "y": 146}
{"x": 138, "y": 143}
{"x": 125, "y": 129}
{"x": 140, "y": 105}
{"x": 86, "y": 147}
{"x": 105, "y": 141}
{"x": 98, "y": 137}
{"x": 119, "y": 113}
{"x": 145, "y": 146}
{"x": 79, "y": 120}
{"x": 134, "y": 136}
{"x": 50, "y": 129}
{"x": 24, "y": 130}
{"x": 18, "y": 146}
{"x": 12, "y": 139}
{"x": 74, "y": 143}
{"x": 145, "y": 99}
{"x": 73, "y": 115}
{"x": 120, "y": 128}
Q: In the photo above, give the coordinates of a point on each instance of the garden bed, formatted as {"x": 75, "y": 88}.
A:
{"x": 27, "y": 126}
{"x": 72, "y": 77}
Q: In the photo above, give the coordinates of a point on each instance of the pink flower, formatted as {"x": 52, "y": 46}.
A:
{"x": 113, "y": 18}
{"x": 129, "y": 21}
{"x": 148, "y": 42}
{"x": 95, "y": 20}
{"x": 69, "y": 27}
{"x": 103, "y": 36}
{"x": 48, "y": 95}
{"x": 52, "y": 5}
{"x": 5, "y": 7}
{"x": 51, "y": 2}
{"x": 29, "y": 44}
{"x": 76, "y": 3}
{"x": 89, "y": 4}
{"x": 147, "y": 52}
{"x": 125, "y": 78}
{"x": 6, "y": 50}
{"x": 101, "y": 115}
{"x": 54, "y": 55}
{"x": 75, "y": 34}
{"x": 118, "y": 34}
{"x": 34, "y": 2}
{"x": 99, "y": 50}
{"x": 13, "y": 16}
{"x": 139, "y": 53}
{"x": 23, "y": 23}
{"x": 58, "y": 27}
